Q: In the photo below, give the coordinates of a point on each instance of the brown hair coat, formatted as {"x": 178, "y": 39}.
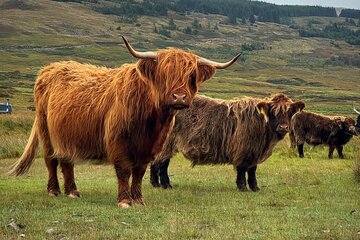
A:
{"x": 242, "y": 132}
{"x": 122, "y": 114}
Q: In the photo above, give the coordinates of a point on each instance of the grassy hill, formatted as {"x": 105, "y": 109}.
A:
{"x": 311, "y": 198}
{"x": 313, "y": 69}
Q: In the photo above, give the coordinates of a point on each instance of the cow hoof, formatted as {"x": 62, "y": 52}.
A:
{"x": 301, "y": 156}
{"x": 53, "y": 193}
{"x": 74, "y": 194}
{"x": 155, "y": 184}
{"x": 138, "y": 202}
{"x": 124, "y": 204}
{"x": 331, "y": 157}
{"x": 243, "y": 189}
{"x": 255, "y": 189}
{"x": 167, "y": 186}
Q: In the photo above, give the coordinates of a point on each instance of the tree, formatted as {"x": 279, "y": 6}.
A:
{"x": 188, "y": 30}
{"x": 172, "y": 25}
{"x": 195, "y": 24}
{"x": 232, "y": 17}
{"x": 243, "y": 20}
{"x": 252, "y": 19}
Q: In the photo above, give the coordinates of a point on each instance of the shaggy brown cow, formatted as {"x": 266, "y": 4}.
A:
{"x": 242, "y": 132}
{"x": 122, "y": 114}
{"x": 316, "y": 129}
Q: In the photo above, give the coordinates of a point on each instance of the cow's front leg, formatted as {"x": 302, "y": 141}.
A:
{"x": 340, "y": 151}
{"x": 123, "y": 172}
{"x": 252, "y": 179}
{"x": 241, "y": 178}
{"x": 137, "y": 176}
{"x": 331, "y": 151}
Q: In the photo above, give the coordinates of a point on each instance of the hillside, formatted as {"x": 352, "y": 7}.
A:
{"x": 323, "y": 72}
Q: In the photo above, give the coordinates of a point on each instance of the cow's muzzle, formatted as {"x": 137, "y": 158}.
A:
{"x": 179, "y": 101}
{"x": 282, "y": 128}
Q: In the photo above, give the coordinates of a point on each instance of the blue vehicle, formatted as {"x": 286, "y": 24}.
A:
{"x": 5, "y": 108}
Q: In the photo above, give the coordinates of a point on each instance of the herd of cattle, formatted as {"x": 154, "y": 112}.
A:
{"x": 147, "y": 111}
{"x": 243, "y": 132}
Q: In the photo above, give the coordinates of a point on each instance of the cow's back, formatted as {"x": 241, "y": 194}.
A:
{"x": 310, "y": 127}
{"x": 74, "y": 99}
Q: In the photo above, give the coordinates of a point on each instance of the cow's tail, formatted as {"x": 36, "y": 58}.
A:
{"x": 23, "y": 164}
{"x": 292, "y": 138}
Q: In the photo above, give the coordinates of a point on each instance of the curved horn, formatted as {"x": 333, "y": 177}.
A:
{"x": 218, "y": 65}
{"x": 356, "y": 110}
{"x": 142, "y": 55}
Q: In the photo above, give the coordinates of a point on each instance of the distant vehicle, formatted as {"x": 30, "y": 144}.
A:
{"x": 5, "y": 108}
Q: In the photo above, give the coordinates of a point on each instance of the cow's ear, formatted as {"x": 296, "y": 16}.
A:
{"x": 263, "y": 108}
{"x": 296, "y": 107}
{"x": 206, "y": 72}
{"x": 147, "y": 68}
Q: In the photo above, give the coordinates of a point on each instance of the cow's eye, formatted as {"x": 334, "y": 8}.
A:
{"x": 193, "y": 81}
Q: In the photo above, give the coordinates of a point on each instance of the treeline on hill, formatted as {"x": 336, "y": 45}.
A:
{"x": 333, "y": 32}
{"x": 350, "y": 13}
{"x": 266, "y": 12}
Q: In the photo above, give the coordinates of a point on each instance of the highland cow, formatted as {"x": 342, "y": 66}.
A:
{"x": 316, "y": 129}
{"x": 241, "y": 132}
{"x": 122, "y": 115}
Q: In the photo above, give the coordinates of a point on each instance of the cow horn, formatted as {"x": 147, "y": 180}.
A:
{"x": 217, "y": 64}
{"x": 356, "y": 110}
{"x": 142, "y": 55}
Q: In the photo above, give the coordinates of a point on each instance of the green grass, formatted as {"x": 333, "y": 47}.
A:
{"x": 310, "y": 198}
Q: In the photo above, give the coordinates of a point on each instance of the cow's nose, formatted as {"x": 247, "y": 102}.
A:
{"x": 284, "y": 127}
{"x": 179, "y": 97}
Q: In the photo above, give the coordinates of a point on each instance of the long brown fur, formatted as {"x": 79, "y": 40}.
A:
{"x": 242, "y": 132}
{"x": 122, "y": 114}
{"x": 316, "y": 129}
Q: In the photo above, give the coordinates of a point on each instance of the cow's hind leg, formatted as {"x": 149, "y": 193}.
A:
{"x": 252, "y": 179}
{"x": 340, "y": 151}
{"x": 53, "y": 188}
{"x": 154, "y": 174}
{"x": 137, "y": 176}
{"x": 241, "y": 178}
{"x": 164, "y": 176}
{"x": 67, "y": 168}
{"x": 292, "y": 140}
{"x": 301, "y": 150}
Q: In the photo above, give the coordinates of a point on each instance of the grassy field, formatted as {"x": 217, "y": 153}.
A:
{"x": 310, "y": 198}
